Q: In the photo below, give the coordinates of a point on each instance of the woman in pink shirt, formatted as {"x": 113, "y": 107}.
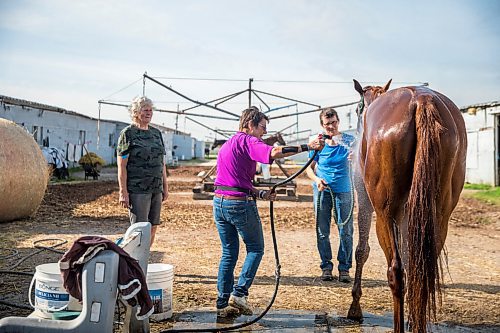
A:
{"x": 235, "y": 210}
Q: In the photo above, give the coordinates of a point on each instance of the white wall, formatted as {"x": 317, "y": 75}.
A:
{"x": 63, "y": 130}
{"x": 184, "y": 149}
{"x": 168, "y": 141}
{"x": 480, "y": 157}
{"x": 481, "y": 154}
{"x": 198, "y": 149}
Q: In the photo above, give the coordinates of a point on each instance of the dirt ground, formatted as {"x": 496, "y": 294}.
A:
{"x": 188, "y": 240}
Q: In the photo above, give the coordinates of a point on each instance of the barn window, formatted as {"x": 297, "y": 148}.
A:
{"x": 111, "y": 140}
{"x": 81, "y": 139}
{"x": 35, "y": 133}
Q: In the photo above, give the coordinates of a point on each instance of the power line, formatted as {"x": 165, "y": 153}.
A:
{"x": 281, "y": 81}
{"x": 122, "y": 89}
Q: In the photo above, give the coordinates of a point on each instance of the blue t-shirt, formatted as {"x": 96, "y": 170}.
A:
{"x": 332, "y": 164}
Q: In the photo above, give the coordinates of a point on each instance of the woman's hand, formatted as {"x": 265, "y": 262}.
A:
{"x": 321, "y": 183}
{"x": 124, "y": 199}
{"x": 317, "y": 143}
{"x": 267, "y": 195}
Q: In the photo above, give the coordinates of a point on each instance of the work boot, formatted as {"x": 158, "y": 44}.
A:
{"x": 327, "y": 275}
{"x": 344, "y": 277}
{"x": 241, "y": 303}
{"x": 228, "y": 311}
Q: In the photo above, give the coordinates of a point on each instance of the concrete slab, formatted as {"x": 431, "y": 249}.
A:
{"x": 296, "y": 321}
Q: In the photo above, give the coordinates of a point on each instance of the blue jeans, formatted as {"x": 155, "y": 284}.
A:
{"x": 343, "y": 204}
{"x": 233, "y": 218}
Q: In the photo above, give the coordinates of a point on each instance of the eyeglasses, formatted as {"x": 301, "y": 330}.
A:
{"x": 334, "y": 122}
{"x": 264, "y": 127}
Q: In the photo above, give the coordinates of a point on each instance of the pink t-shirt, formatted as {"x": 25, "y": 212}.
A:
{"x": 237, "y": 160}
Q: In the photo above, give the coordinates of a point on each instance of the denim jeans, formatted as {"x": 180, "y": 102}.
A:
{"x": 343, "y": 203}
{"x": 145, "y": 207}
{"x": 233, "y": 218}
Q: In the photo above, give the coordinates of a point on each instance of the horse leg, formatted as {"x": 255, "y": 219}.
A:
{"x": 388, "y": 236}
{"x": 365, "y": 211}
{"x": 395, "y": 275}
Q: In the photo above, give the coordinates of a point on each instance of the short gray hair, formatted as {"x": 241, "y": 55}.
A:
{"x": 137, "y": 104}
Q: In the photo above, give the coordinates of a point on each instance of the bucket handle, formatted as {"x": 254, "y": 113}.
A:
{"x": 38, "y": 308}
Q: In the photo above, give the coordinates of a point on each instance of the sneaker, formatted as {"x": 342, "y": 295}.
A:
{"x": 241, "y": 303}
{"x": 327, "y": 275}
{"x": 228, "y": 311}
{"x": 344, "y": 277}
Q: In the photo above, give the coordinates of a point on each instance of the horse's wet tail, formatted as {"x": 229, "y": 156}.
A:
{"x": 423, "y": 267}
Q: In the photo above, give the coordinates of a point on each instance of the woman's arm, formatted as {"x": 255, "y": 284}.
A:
{"x": 122, "y": 181}
{"x": 165, "y": 184}
{"x": 285, "y": 151}
{"x": 310, "y": 171}
{"x": 312, "y": 175}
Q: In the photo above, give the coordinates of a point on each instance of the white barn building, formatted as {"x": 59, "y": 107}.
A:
{"x": 75, "y": 134}
{"x": 68, "y": 131}
{"x": 482, "y": 122}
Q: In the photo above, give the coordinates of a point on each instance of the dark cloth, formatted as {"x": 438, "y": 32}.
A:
{"x": 145, "y": 151}
{"x": 131, "y": 280}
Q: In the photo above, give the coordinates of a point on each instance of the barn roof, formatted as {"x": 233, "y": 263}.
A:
{"x": 24, "y": 103}
{"x": 35, "y": 105}
{"x": 486, "y": 105}
{"x": 168, "y": 129}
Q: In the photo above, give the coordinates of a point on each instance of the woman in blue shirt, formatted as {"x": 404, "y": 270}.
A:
{"x": 330, "y": 172}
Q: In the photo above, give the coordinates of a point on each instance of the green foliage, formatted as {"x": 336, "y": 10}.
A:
{"x": 477, "y": 186}
{"x": 487, "y": 194}
{"x": 491, "y": 196}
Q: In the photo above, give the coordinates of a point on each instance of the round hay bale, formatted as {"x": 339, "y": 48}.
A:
{"x": 24, "y": 173}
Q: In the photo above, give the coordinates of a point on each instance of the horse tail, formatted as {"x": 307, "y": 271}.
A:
{"x": 423, "y": 267}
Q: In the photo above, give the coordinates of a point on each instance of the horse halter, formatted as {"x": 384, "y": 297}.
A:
{"x": 361, "y": 105}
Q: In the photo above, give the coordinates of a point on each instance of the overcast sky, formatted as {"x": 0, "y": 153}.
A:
{"x": 73, "y": 53}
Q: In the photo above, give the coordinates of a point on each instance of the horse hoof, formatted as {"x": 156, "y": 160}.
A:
{"x": 355, "y": 313}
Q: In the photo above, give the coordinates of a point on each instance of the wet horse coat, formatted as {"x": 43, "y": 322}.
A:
{"x": 411, "y": 161}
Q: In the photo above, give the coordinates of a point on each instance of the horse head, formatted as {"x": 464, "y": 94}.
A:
{"x": 271, "y": 140}
{"x": 368, "y": 95}
{"x": 280, "y": 139}
{"x": 218, "y": 143}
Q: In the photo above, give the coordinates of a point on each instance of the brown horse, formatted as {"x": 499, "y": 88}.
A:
{"x": 411, "y": 159}
{"x": 276, "y": 137}
{"x": 270, "y": 140}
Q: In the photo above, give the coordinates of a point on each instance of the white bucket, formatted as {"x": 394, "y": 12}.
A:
{"x": 266, "y": 171}
{"x": 50, "y": 295}
{"x": 160, "y": 279}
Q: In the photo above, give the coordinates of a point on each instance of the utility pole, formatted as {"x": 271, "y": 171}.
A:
{"x": 177, "y": 120}
{"x": 250, "y": 92}
{"x": 144, "y": 84}
{"x": 297, "y": 122}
